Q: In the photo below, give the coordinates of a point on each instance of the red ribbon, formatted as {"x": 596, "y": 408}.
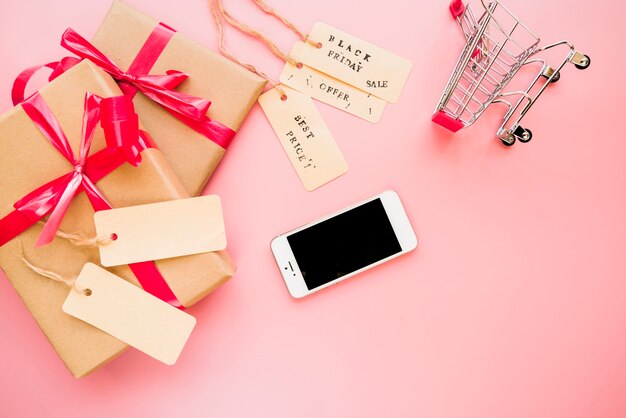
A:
{"x": 124, "y": 144}
{"x": 190, "y": 110}
{"x": 156, "y": 87}
{"x": 21, "y": 81}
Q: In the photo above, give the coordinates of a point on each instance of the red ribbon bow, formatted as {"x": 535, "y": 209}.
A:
{"x": 156, "y": 87}
{"x": 190, "y": 110}
{"x": 55, "y": 197}
{"x": 124, "y": 143}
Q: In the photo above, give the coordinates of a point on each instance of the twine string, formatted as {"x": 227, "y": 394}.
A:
{"x": 219, "y": 15}
{"x": 253, "y": 33}
{"x": 83, "y": 240}
{"x": 68, "y": 282}
{"x": 272, "y": 12}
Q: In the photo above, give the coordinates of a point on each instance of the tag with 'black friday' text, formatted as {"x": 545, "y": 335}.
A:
{"x": 305, "y": 137}
{"x": 354, "y": 61}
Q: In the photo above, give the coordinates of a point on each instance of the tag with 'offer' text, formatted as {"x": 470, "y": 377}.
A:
{"x": 331, "y": 91}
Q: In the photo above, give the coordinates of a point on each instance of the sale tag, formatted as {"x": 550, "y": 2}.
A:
{"x": 354, "y": 61}
{"x": 130, "y": 314}
{"x": 161, "y": 230}
{"x": 303, "y": 134}
{"x": 333, "y": 92}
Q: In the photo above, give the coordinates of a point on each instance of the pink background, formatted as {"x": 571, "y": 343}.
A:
{"x": 513, "y": 305}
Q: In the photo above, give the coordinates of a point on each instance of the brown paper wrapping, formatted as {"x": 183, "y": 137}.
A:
{"x": 232, "y": 89}
{"x": 27, "y": 161}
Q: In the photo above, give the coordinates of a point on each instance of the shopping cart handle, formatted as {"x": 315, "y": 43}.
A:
{"x": 447, "y": 121}
{"x": 457, "y": 8}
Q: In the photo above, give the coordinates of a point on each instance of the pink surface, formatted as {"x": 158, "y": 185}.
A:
{"x": 512, "y": 306}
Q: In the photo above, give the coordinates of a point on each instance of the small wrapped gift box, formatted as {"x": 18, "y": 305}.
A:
{"x": 132, "y": 40}
{"x": 27, "y": 161}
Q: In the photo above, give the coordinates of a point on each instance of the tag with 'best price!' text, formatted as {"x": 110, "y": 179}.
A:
{"x": 129, "y": 313}
{"x": 354, "y": 61}
{"x": 305, "y": 137}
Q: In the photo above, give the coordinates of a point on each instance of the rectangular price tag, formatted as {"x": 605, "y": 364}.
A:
{"x": 354, "y": 61}
{"x": 161, "y": 230}
{"x": 333, "y": 92}
{"x": 130, "y": 314}
{"x": 303, "y": 134}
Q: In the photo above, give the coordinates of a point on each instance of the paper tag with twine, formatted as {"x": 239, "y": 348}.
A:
{"x": 304, "y": 136}
{"x": 161, "y": 230}
{"x": 332, "y": 91}
{"x": 296, "y": 121}
{"x": 354, "y": 61}
{"x": 130, "y": 314}
{"x": 301, "y": 77}
{"x": 124, "y": 311}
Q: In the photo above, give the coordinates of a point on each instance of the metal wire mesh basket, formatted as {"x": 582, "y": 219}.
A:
{"x": 498, "y": 45}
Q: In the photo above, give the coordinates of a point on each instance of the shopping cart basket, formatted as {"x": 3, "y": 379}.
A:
{"x": 498, "y": 45}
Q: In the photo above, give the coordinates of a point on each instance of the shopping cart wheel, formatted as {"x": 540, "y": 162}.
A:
{"x": 556, "y": 77}
{"x": 526, "y": 136}
{"x": 549, "y": 72}
{"x": 508, "y": 140}
{"x": 585, "y": 64}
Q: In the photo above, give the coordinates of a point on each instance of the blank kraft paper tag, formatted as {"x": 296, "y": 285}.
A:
{"x": 303, "y": 134}
{"x": 161, "y": 230}
{"x": 354, "y": 61}
{"x": 331, "y": 91}
{"x": 129, "y": 314}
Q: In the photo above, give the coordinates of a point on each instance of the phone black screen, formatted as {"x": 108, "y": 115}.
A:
{"x": 344, "y": 243}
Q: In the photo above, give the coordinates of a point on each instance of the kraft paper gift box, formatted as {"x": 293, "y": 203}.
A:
{"x": 27, "y": 161}
{"x": 232, "y": 90}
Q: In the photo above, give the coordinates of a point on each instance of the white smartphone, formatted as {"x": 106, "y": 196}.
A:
{"x": 345, "y": 243}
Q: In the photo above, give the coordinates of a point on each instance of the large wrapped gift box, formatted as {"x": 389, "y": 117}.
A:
{"x": 28, "y": 161}
{"x": 232, "y": 90}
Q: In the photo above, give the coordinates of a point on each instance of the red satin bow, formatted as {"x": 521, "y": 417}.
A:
{"x": 56, "y": 196}
{"x": 124, "y": 144}
{"x": 156, "y": 87}
{"x": 190, "y": 110}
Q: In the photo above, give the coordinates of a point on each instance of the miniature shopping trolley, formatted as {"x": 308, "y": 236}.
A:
{"x": 498, "y": 45}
